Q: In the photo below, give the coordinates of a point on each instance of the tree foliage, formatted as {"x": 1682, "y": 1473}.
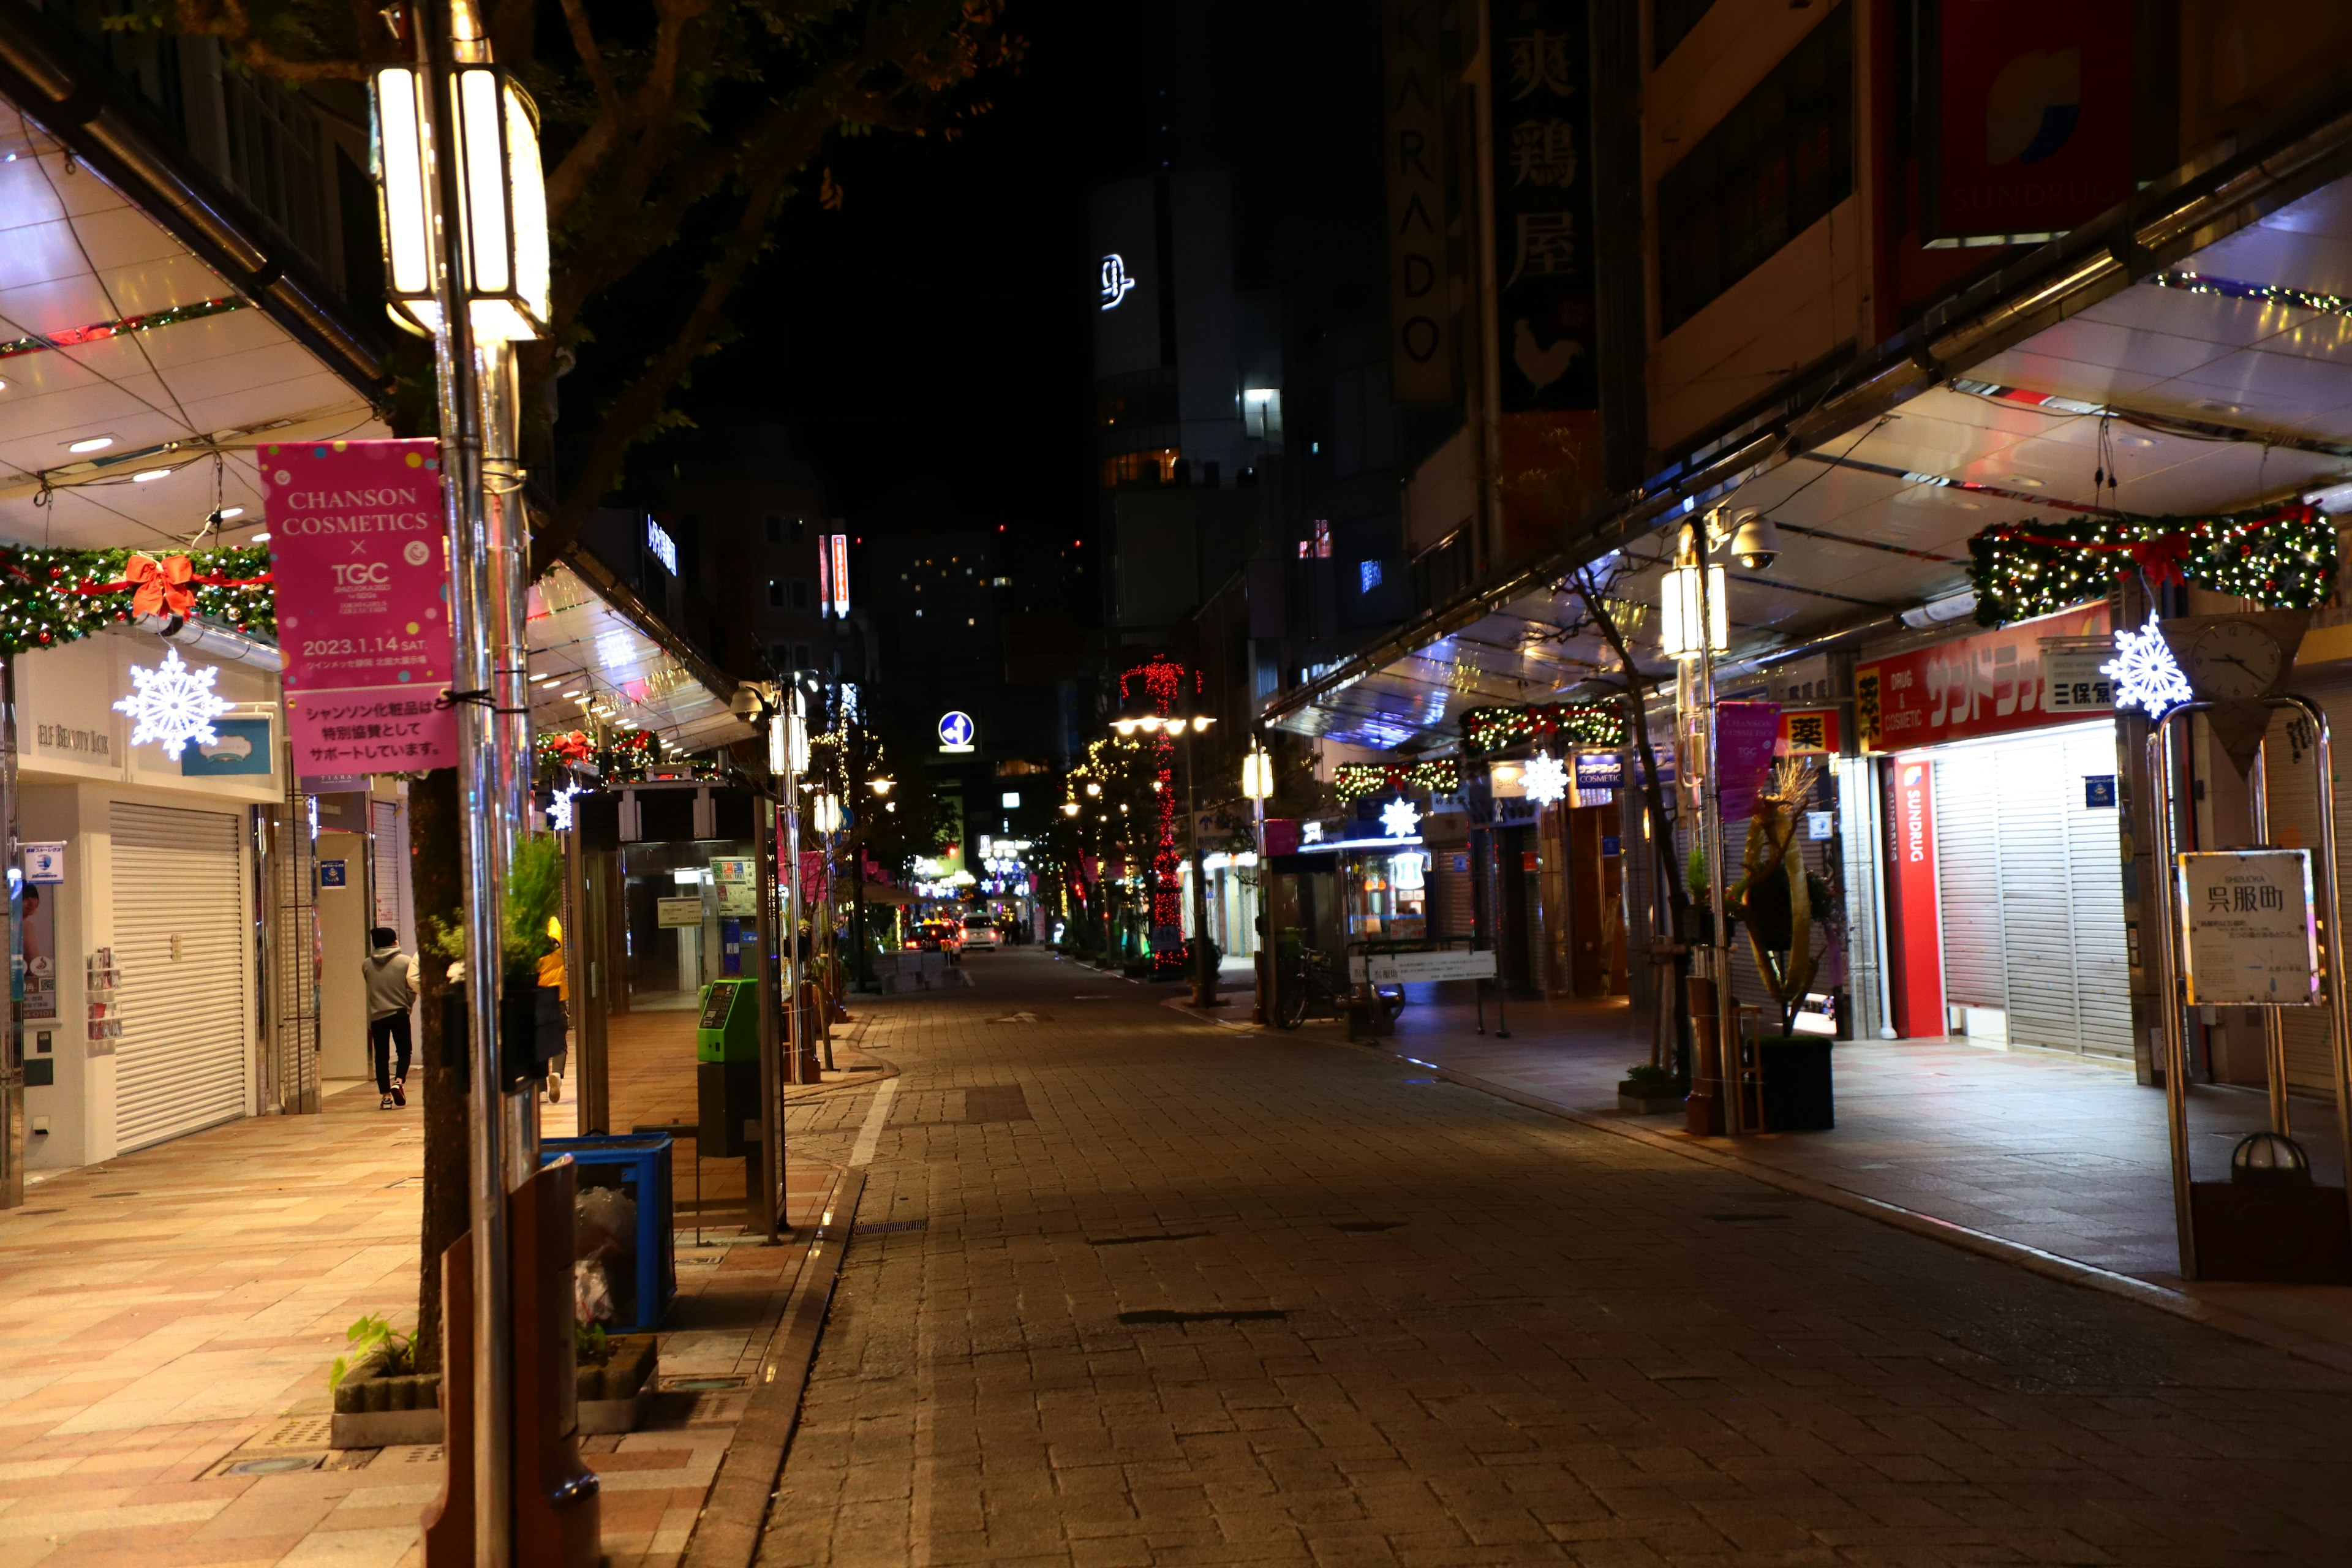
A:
{"x": 673, "y": 131}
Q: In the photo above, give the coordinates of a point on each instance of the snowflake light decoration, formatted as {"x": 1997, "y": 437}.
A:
{"x": 2145, "y": 672}
{"x": 174, "y": 704}
{"x": 1400, "y": 818}
{"x": 559, "y": 807}
{"x": 1545, "y": 778}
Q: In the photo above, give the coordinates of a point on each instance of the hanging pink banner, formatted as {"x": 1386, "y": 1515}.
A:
{"x": 362, "y": 574}
{"x": 1744, "y": 734}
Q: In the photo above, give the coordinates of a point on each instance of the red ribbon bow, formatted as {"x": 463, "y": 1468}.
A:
{"x": 2161, "y": 559}
{"x": 160, "y": 588}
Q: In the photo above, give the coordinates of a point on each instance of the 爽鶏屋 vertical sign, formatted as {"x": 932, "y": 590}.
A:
{"x": 362, "y": 583}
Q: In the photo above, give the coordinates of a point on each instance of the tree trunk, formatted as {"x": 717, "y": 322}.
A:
{"x": 433, "y": 836}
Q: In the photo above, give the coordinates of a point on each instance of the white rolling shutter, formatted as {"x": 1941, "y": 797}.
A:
{"x": 2292, "y": 763}
{"x": 1967, "y": 874}
{"x": 2031, "y": 883}
{"x": 2096, "y": 898}
{"x": 183, "y": 1060}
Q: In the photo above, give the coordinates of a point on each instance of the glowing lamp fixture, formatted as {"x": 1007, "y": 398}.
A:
{"x": 90, "y": 444}
{"x": 149, "y": 475}
{"x": 1258, "y": 776}
{"x": 1678, "y": 614}
{"x": 502, "y": 202}
{"x": 824, "y": 815}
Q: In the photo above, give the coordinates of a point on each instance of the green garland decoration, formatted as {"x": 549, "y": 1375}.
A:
{"x": 1489, "y": 730}
{"x": 1354, "y": 781}
{"x": 2282, "y": 558}
{"x": 40, "y": 607}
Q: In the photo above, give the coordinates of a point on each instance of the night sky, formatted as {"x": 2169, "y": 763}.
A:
{"x": 926, "y": 343}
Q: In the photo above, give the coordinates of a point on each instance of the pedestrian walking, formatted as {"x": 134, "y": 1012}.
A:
{"x": 391, "y": 978}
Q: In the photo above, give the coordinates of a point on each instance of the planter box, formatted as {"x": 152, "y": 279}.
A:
{"x": 1798, "y": 1096}
{"x": 611, "y": 1398}
{"x": 1640, "y": 1103}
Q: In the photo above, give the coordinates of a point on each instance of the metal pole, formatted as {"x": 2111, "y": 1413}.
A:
{"x": 11, "y": 1027}
{"x": 792, "y": 719}
{"x": 472, "y": 619}
{"x": 766, "y": 1205}
{"x": 2340, "y": 987}
{"x": 505, "y": 535}
{"x": 1727, "y": 1039}
{"x": 2175, "y": 1043}
{"x": 2274, "y": 1025}
{"x": 1204, "y": 979}
{"x": 1269, "y": 950}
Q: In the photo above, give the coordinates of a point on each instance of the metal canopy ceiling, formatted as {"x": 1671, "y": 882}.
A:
{"x": 2245, "y": 401}
{"x": 581, "y": 645}
{"x": 79, "y": 265}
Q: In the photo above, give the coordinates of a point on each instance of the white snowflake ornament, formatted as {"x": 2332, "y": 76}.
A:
{"x": 174, "y": 704}
{"x": 1400, "y": 818}
{"x": 1545, "y": 778}
{"x": 2145, "y": 672}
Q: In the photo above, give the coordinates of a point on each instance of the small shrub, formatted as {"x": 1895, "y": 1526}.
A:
{"x": 372, "y": 1339}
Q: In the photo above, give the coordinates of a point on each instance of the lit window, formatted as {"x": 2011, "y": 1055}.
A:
{"x": 1323, "y": 537}
{"x": 1368, "y": 574}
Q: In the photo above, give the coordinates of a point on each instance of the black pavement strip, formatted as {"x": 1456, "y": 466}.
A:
{"x": 1154, "y": 1235}
{"x": 1233, "y": 1315}
{"x": 995, "y": 1102}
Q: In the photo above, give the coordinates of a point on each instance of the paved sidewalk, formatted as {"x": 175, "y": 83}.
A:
{"x": 167, "y": 1320}
{"x": 1128, "y": 1289}
{"x": 2066, "y": 1156}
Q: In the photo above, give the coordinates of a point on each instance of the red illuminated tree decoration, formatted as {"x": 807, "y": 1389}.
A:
{"x": 1161, "y": 680}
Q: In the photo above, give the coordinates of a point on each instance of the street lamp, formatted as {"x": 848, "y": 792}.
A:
{"x": 502, "y": 202}
{"x": 1694, "y": 599}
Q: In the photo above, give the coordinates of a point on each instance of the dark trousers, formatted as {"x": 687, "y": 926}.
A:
{"x": 382, "y": 1033}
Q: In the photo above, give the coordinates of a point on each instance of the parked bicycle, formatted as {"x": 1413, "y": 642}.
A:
{"x": 1312, "y": 987}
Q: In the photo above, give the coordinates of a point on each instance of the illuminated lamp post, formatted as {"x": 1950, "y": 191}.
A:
{"x": 1163, "y": 680}
{"x": 1257, "y": 783}
{"x": 1694, "y": 625}
{"x": 462, "y": 206}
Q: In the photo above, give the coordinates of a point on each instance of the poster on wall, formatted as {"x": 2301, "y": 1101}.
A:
{"x": 38, "y": 909}
{"x": 1745, "y": 736}
{"x": 739, "y": 892}
{"x": 362, "y": 582}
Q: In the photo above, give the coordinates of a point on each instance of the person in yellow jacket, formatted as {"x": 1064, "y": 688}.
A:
{"x": 551, "y": 972}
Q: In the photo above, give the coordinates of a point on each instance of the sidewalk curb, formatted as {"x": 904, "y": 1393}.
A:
{"x": 1239, "y": 1021}
{"x": 727, "y": 1533}
{"x": 2049, "y": 1265}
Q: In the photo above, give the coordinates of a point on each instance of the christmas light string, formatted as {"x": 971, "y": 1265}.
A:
{"x": 2280, "y": 558}
{"x": 1490, "y": 730}
{"x": 1353, "y": 782}
{"x": 43, "y": 601}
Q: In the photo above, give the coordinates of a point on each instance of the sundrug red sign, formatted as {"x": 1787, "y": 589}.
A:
{"x": 1914, "y": 925}
{"x": 362, "y": 582}
{"x": 1987, "y": 684}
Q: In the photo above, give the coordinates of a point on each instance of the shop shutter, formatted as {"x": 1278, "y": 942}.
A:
{"x": 2095, "y": 897}
{"x": 183, "y": 1057}
{"x": 383, "y": 818}
{"x": 1449, "y": 891}
{"x": 2037, "y": 949}
{"x": 1967, "y": 873}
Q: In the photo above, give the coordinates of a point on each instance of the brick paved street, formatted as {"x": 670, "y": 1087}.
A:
{"x": 1131, "y": 1289}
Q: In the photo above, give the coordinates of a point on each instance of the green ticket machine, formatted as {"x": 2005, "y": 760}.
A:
{"x": 727, "y": 1065}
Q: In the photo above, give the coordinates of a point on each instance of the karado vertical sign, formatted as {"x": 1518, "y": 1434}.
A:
{"x": 362, "y": 582}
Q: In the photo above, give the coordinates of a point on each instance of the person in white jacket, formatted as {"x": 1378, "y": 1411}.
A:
{"x": 390, "y": 976}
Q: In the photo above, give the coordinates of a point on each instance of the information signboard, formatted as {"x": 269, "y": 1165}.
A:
{"x": 2247, "y": 930}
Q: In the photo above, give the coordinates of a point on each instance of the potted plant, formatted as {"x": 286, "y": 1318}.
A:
{"x": 1776, "y": 901}
{"x": 530, "y": 1013}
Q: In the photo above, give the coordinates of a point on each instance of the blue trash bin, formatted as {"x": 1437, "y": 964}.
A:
{"x": 646, "y": 1281}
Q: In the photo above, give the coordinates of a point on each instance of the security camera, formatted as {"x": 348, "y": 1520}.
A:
{"x": 1755, "y": 543}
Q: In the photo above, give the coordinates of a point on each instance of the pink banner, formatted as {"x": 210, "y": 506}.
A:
{"x": 1744, "y": 734}
{"x": 362, "y": 582}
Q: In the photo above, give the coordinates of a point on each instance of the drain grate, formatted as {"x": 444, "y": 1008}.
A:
{"x": 890, "y": 1225}
{"x": 1246, "y": 1315}
{"x": 296, "y": 1432}
{"x": 274, "y": 1465}
{"x": 700, "y": 1385}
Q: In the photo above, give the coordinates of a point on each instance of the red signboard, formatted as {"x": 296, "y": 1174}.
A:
{"x": 1913, "y": 926}
{"x": 1984, "y": 685}
{"x": 2033, "y": 115}
{"x": 361, "y": 574}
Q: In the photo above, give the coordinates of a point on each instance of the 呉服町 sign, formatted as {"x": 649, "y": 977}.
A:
{"x": 2247, "y": 936}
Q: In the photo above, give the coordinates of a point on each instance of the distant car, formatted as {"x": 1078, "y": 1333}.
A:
{"x": 980, "y": 931}
{"x": 935, "y": 936}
